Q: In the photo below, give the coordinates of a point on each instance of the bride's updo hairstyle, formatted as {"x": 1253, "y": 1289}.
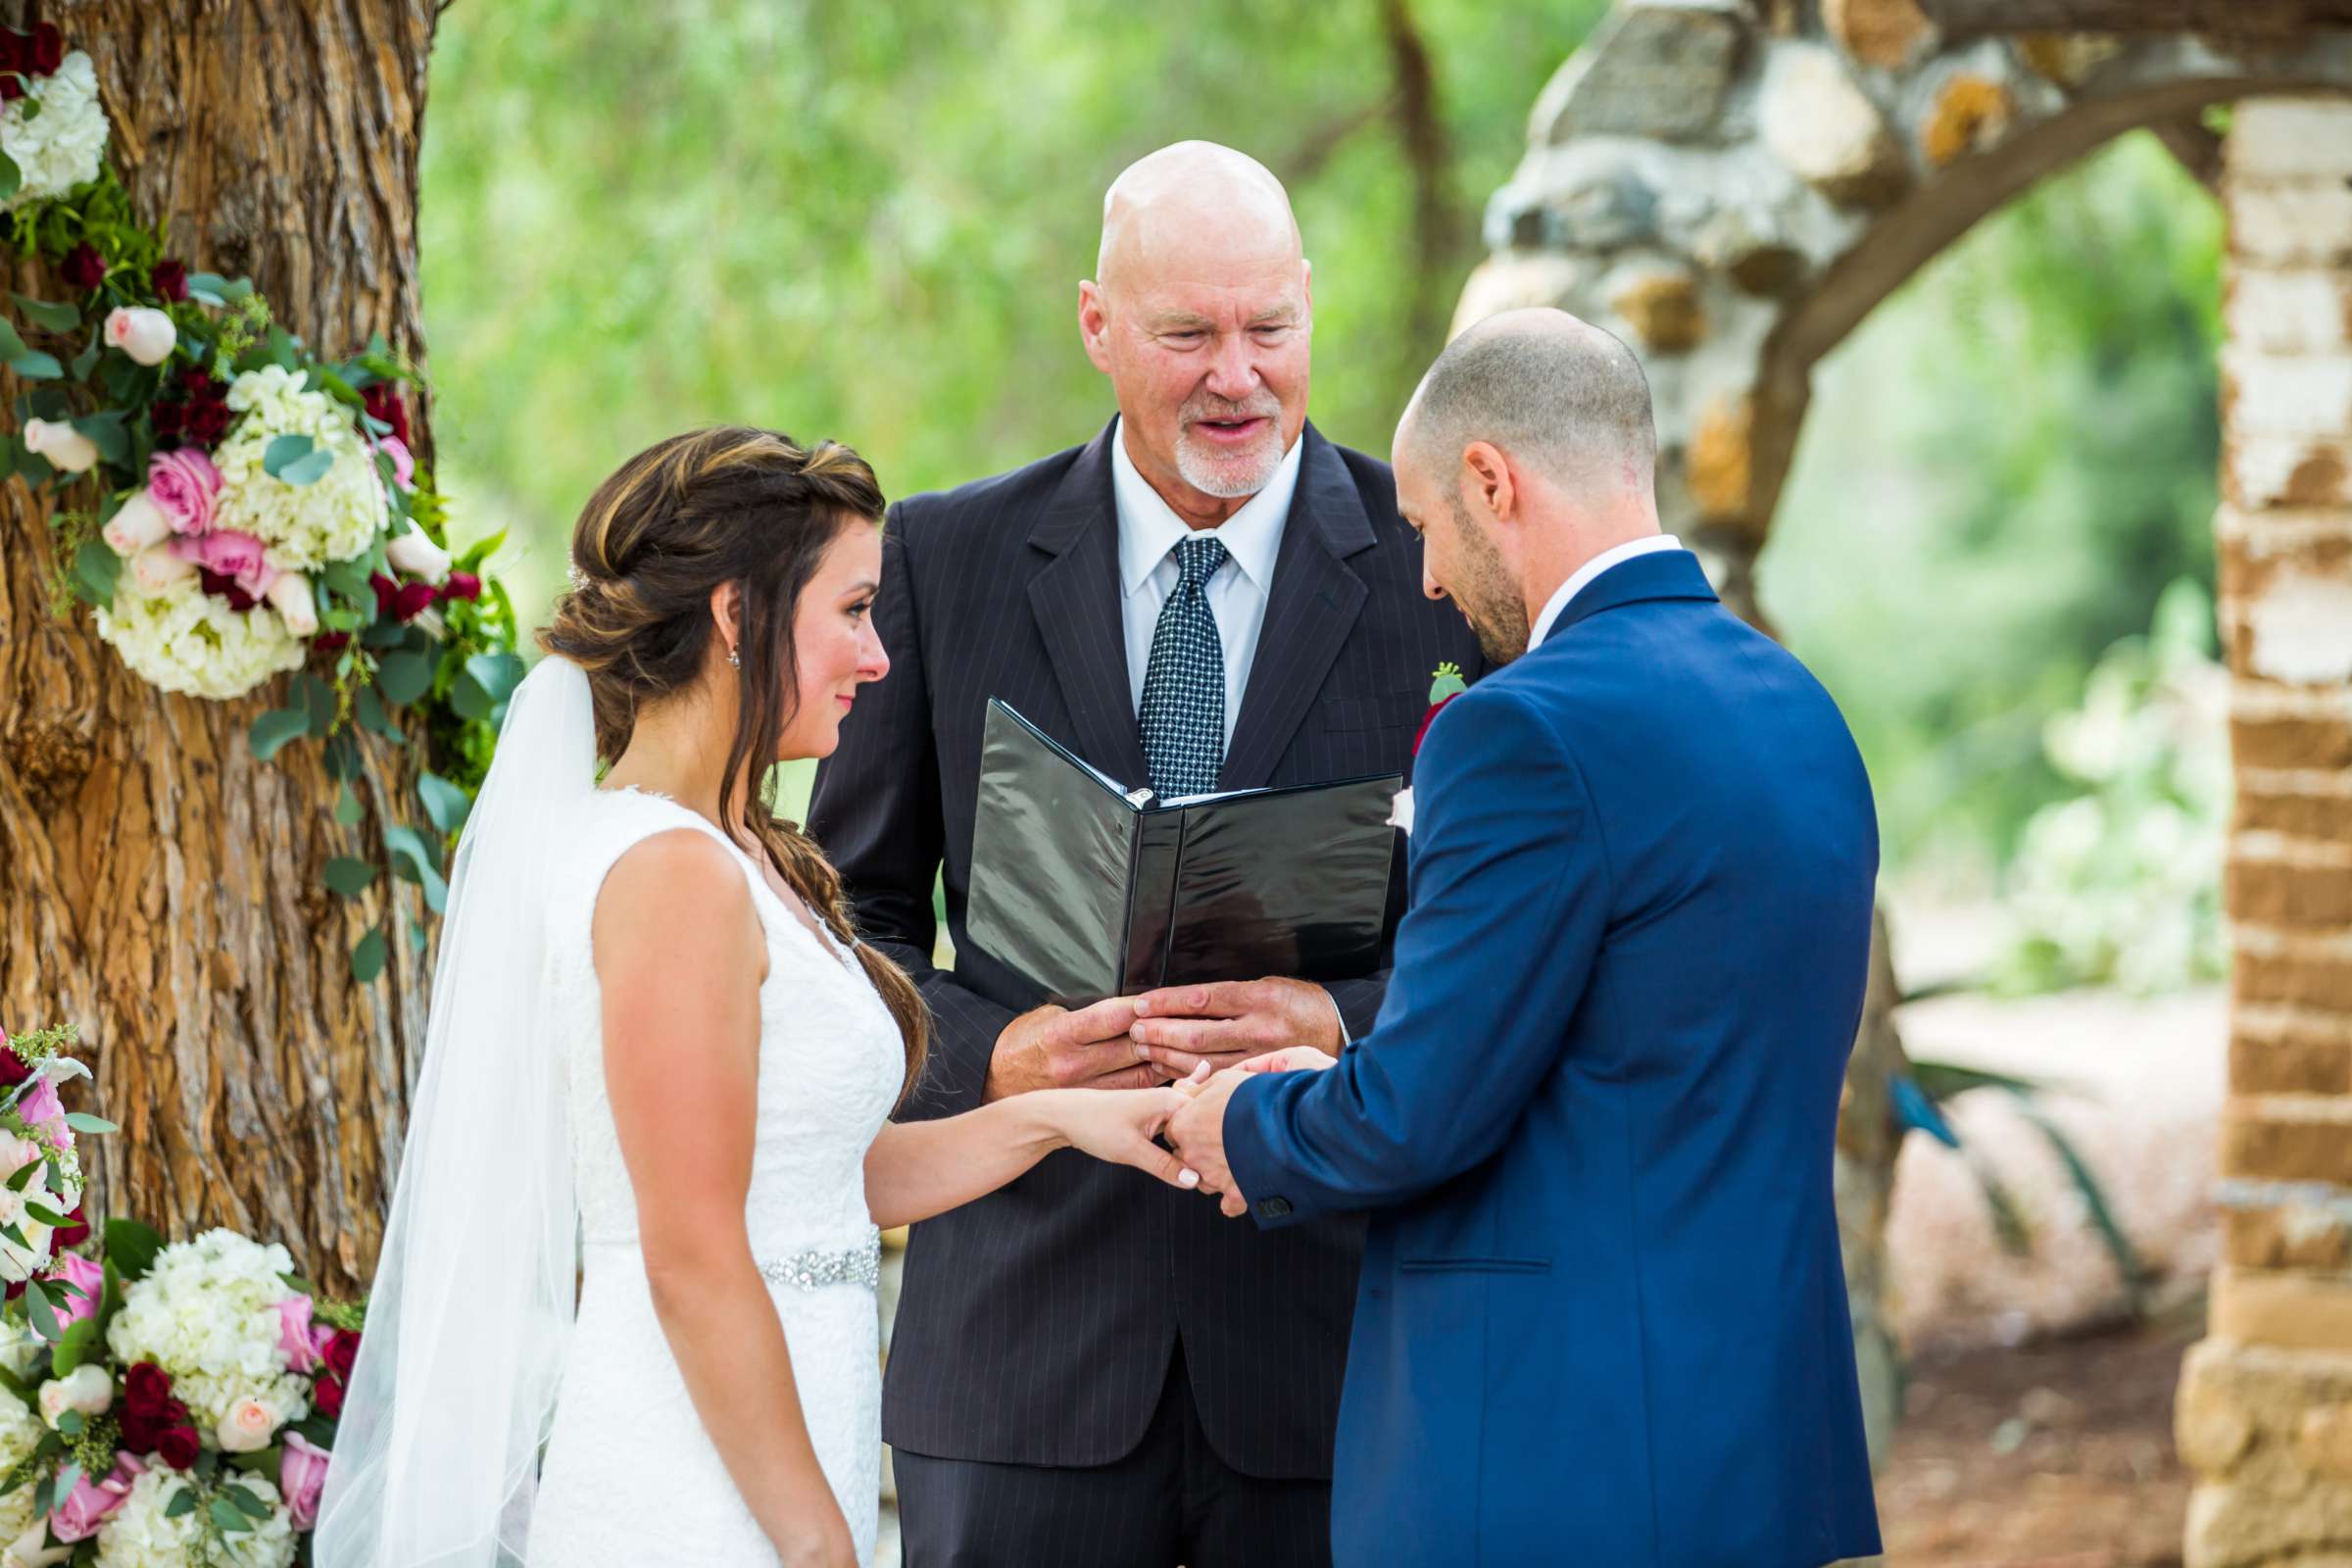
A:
{"x": 677, "y": 521}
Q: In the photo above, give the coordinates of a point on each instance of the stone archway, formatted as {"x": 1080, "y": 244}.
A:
{"x": 1733, "y": 186}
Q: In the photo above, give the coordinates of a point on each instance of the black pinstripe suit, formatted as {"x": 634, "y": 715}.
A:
{"x": 1037, "y": 1325}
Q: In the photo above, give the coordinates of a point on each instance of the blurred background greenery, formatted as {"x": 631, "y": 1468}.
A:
{"x": 869, "y": 221}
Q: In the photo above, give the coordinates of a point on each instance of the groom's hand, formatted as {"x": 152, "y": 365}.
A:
{"x": 1053, "y": 1047}
{"x": 1196, "y": 1132}
{"x": 1228, "y": 1023}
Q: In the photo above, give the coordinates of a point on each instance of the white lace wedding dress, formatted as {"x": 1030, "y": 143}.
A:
{"x": 630, "y": 1477}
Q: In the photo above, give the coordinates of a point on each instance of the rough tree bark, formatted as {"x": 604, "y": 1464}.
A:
{"x": 158, "y": 886}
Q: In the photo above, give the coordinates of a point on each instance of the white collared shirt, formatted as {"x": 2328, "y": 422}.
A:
{"x": 1149, "y": 534}
{"x": 1583, "y": 575}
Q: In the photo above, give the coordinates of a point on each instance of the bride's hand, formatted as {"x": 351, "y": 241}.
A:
{"x": 1118, "y": 1125}
{"x": 1291, "y": 1059}
{"x": 818, "y": 1538}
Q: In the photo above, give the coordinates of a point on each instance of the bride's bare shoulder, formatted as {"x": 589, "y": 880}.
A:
{"x": 675, "y": 889}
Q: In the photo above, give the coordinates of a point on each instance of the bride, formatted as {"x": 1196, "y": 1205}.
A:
{"x": 658, "y": 1077}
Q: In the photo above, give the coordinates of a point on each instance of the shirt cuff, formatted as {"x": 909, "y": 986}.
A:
{"x": 1345, "y": 1039}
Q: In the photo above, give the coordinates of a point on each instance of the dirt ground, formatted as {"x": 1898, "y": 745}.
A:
{"x": 2056, "y": 1454}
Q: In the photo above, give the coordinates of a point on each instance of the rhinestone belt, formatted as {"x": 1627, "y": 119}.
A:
{"x": 817, "y": 1266}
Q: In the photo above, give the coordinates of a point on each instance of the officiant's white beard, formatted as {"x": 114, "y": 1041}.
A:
{"x": 1228, "y": 474}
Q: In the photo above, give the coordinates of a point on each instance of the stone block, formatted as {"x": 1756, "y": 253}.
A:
{"x": 2261, "y": 471}
{"x": 2289, "y": 1066}
{"x": 2274, "y": 1140}
{"x": 2295, "y": 223}
{"x": 1888, "y": 33}
{"x": 2285, "y": 1236}
{"x": 1661, "y": 304}
{"x": 1512, "y": 280}
{"x": 1657, "y": 70}
{"x": 2287, "y": 1309}
{"x": 2275, "y": 891}
{"x": 2306, "y": 396}
{"x": 2311, "y": 137}
{"x": 1719, "y": 459}
{"x": 2299, "y": 310}
{"x": 1971, "y": 113}
{"x": 1816, "y": 119}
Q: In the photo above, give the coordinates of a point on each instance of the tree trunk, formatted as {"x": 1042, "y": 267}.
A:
{"x": 159, "y": 887}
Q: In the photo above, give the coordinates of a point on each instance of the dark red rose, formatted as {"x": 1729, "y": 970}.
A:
{"x": 146, "y": 1388}
{"x": 73, "y": 1234}
{"x": 170, "y": 280}
{"x": 327, "y": 1397}
{"x": 14, "y": 1070}
{"x": 331, "y": 642}
{"x": 139, "y": 1433}
{"x": 199, "y": 417}
{"x": 383, "y": 402}
{"x": 462, "y": 585}
{"x": 341, "y": 1352}
{"x": 227, "y": 588}
{"x": 83, "y": 266}
{"x": 48, "y": 51}
{"x": 16, "y": 56}
{"x": 179, "y": 1446}
{"x": 414, "y": 600}
{"x": 209, "y": 418}
{"x": 387, "y": 593}
{"x": 16, "y": 1287}
{"x": 1434, "y": 709}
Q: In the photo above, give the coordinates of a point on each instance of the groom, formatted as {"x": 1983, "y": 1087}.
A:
{"x": 1087, "y": 1368}
{"x": 1602, "y": 1318}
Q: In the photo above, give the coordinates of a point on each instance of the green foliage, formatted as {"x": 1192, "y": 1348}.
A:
{"x": 2002, "y": 470}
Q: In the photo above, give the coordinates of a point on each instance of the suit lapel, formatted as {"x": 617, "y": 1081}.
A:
{"x": 1076, "y": 601}
{"x": 1313, "y": 607}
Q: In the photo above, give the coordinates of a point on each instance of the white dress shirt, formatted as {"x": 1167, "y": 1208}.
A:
{"x": 1583, "y": 574}
{"x": 1149, "y": 534}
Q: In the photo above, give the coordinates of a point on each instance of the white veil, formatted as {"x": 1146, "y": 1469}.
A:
{"x": 437, "y": 1454}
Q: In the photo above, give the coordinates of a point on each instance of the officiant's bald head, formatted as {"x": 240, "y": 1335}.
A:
{"x": 1200, "y": 312}
{"x": 1528, "y": 448}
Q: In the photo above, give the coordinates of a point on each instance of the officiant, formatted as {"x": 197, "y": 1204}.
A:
{"x": 1088, "y": 1368}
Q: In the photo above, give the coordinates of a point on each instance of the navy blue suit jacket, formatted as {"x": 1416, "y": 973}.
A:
{"x": 1602, "y": 1316}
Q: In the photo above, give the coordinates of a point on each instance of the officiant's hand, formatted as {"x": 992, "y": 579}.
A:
{"x": 1228, "y": 1023}
{"x": 1053, "y": 1047}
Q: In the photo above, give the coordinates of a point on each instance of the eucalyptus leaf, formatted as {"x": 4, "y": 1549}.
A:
{"x": 370, "y": 708}
{"x": 349, "y": 580}
{"x": 34, "y": 366}
{"x": 405, "y": 677}
{"x": 12, "y": 342}
{"x": 48, "y": 1216}
{"x": 497, "y": 673}
{"x": 82, "y": 1121}
{"x": 225, "y": 1514}
{"x": 444, "y": 803}
{"x": 24, "y": 1176}
{"x": 247, "y": 1502}
{"x": 106, "y": 434}
{"x": 368, "y": 959}
{"x": 469, "y": 699}
{"x": 42, "y": 1314}
{"x": 130, "y": 1248}
{"x": 317, "y": 701}
{"x": 182, "y": 1503}
{"x": 87, "y": 360}
{"x": 308, "y": 471}
{"x": 347, "y": 808}
{"x": 285, "y": 449}
{"x": 51, "y": 314}
{"x": 350, "y": 877}
{"x": 96, "y": 570}
{"x": 12, "y": 178}
{"x": 272, "y": 730}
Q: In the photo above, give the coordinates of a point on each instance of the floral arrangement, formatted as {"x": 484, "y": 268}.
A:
{"x": 259, "y": 510}
{"x": 160, "y": 1404}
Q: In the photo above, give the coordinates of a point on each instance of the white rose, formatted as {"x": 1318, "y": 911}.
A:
{"x": 248, "y": 1426}
{"x": 138, "y": 523}
{"x": 28, "y": 1550}
{"x": 88, "y": 1388}
{"x": 68, "y": 450}
{"x": 417, "y": 556}
{"x": 290, "y": 596}
{"x": 146, "y": 335}
{"x": 156, "y": 568}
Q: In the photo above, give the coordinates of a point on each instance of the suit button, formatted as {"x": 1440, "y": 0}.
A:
{"x": 1273, "y": 1207}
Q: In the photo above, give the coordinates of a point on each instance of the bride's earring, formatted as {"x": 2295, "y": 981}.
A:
{"x": 734, "y": 659}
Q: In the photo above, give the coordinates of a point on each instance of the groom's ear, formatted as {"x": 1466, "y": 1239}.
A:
{"x": 1094, "y": 323}
{"x": 1488, "y": 483}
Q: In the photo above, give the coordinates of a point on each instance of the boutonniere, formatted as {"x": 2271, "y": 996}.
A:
{"x": 1445, "y": 684}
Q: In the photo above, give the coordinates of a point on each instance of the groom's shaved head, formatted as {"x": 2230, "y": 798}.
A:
{"x": 1191, "y": 204}
{"x": 1554, "y": 392}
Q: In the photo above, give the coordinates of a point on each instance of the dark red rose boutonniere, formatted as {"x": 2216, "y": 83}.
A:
{"x": 1445, "y": 684}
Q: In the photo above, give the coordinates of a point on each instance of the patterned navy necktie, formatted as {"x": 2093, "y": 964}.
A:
{"x": 1182, "y": 711}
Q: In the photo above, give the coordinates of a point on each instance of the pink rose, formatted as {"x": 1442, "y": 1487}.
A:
{"x": 231, "y": 554}
{"x": 247, "y": 1426}
{"x": 184, "y": 483}
{"x": 404, "y": 466}
{"x": 91, "y": 1504}
{"x": 294, "y": 1334}
{"x": 44, "y": 1111}
{"x": 301, "y": 1476}
{"x": 88, "y": 1281}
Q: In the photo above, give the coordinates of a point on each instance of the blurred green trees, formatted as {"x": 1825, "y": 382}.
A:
{"x": 869, "y": 221}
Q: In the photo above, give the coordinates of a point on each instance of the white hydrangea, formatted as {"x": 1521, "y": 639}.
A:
{"x": 60, "y": 145}
{"x": 22, "y": 1261}
{"x": 206, "y": 1313}
{"x": 185, "y": 640}
{"x": 337, "y": 516}
{"x": 142, "y": 1534}
{"x": 19, "y": 1431}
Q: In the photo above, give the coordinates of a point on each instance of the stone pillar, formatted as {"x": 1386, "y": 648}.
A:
{"x": 2264, "y": 1411}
